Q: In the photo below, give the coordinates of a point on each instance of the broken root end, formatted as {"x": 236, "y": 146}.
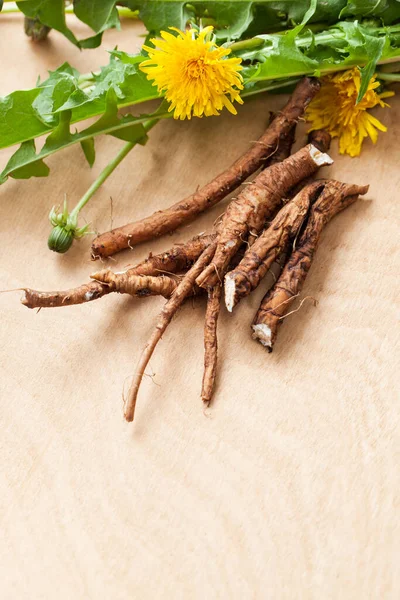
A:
{"x": 230, "y": 292}
{"x": 262, "y": 333}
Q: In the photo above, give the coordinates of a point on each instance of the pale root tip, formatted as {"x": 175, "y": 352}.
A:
{"x": 230, "y": 289}
{"x": 262, "y": 333}
{"x": 320, "y": 158}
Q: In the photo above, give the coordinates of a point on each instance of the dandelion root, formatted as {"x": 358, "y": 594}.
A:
{"x": 276, "y": 303}
{"x": 255, "y": 204}
{"x": 176, "y": 260}
{"x": 182, "y": 291}
{"x": 284, "y": 147}
{"x": 79, "y": 295}
{"x": 137, "y": 285}
{"x": 269, "y": 246}
{"x": 182, "y": 212}
{"x": 210, "y": 343}
{"x": 321, "y": 139}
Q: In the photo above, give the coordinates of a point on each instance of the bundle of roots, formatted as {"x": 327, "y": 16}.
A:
{"x": 278, "y": 216}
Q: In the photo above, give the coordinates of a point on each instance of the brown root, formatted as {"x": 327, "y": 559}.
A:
{"x": 276, "y": 303}
{"x": 211, "y": 343}
{"x": 269, "y": 246}
{"x": 321, "y": 139}
{"x": 285, "y": 144}
{"x": 182, "y": 291}
{"x": 79, "y": 295}
{"x": 186, "y": 210}
{"x": 137, "y": 285}
{"x": 255, "y": 204}
{"x": 176, "y": 260}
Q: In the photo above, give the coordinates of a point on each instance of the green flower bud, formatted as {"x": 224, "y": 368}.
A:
{"x": 60, "y": 240}
{"x": 35, "y": 29}
{"x": 65, "y": 229}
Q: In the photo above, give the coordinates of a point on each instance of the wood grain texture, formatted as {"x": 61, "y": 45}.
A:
{"x": 291, "y": 489}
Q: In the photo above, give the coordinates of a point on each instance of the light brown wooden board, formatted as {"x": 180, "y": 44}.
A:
{"x": 290, "y": 489}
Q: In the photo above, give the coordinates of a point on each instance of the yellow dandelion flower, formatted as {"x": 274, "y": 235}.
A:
{"x": 194, "y": 73}
{"x": 335, "y": 109}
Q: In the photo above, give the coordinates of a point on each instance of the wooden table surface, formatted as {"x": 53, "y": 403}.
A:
{"x": 290, "y": 489}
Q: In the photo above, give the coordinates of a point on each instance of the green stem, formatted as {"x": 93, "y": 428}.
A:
{"x": 249, "y": 44}
{"x": 388, "y": 76}
{"x": 65, "y": 224}
{"x": 252, "y": 46}
{"x": 331, "y": 69}
{"x": 267, "y": 87}
{"x": 106, "y": 172}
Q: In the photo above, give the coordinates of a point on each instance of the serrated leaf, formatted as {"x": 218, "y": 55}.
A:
{"x": 345, "y": 45}
{"x": 124, "y": 77}
{"x": 29, "y": 114}
{"x": 375, "y": 48}
{"x": 325, "y": 12}
{"x": 110, "y": 114}
{"x": 161, "y": 15}
{"x": 231, "y": 19}
{"x": 54, "y": 92}
{"x": 109, "y": 123}
{"x": 124, "y": 57}
{"x": 306, "y": 17}
{"x": 89, "y": 150}
{"x": 135, "y": 134}
{"x": 60, "y": 138}
{"x": 19, "y": 121}
{"x": 98, "y": 14}
{"x": 24, "y": 164}
{"x": 61, "y": 135}
{"x": 282, "y": 57}
{"x": 387, "y": 10}
{"x": 91, "y": 42}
